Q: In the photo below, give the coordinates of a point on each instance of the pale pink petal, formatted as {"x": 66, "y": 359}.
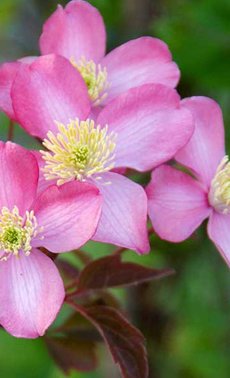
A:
{"x": 150, "y": 125}
{"x": 140, "y": 61}
{"x": 8, "y": 72}
{"x": 18, "y": 177}
{"x": 77, "y": 30}
{"x": 124, "y": 213}
{"x": 177, "y": 204}
{"x": 205, "y": 149}
{"x": 69, "y": 215}
{"x": 218, "y": 231}
{"x": 48, "y": 90}
{"x": 42, "y": 182}
{"x": 28, "y": 59}
{"x": 31, "y": 294}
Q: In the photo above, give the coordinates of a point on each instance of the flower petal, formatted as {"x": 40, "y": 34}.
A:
{"x": 76, "y": 31}
{"x": 205, "y": 149}
{"x": 218, "y": 231}
{"x": 124, "y": 213}
{"x": 69, "y": 215}
{"x": 42, "y": 182}
{"x": 48, "y": 90}
{"x": 18, "y": 177}
{"x": 31, "y": 294}
{"x": 140, "y": 61}
{"x": 8, "y": 72}
{"x": 150, "y": 125}
{"x": 177, "y": 204}
{"x": 28, "y": 59}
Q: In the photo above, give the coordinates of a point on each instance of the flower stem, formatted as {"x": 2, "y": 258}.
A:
{"x": 119, "y": 251}
{"x": 11, "y": 130}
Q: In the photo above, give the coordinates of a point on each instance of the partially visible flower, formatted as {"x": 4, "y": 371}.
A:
{"x": 178, "y": 202}
{"x": 8, "y": 73}
{"x": 77, "y": 32}
{"x": 140, "y": 129}
{"x": 59, "y": 219}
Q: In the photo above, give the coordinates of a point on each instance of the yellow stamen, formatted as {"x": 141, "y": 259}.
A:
{"x": 219, "y": 194}
{"x": 17, "y": 232}
{"x": 80, "y": 149}
{"x": 95, "y": 78}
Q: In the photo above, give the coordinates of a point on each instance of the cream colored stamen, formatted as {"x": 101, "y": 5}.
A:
{"x": 80, "y": 149}
{"x": 219, "y": 194}
{"x": 95, "y": 78}
{"x": 16, "y": 232}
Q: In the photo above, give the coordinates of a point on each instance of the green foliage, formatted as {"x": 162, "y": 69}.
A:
{"x": 185, "y": 317}
{"x": 198, "y": 34}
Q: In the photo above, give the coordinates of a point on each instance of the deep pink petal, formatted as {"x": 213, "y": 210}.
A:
{"x": 140, "y": 61}
{"x": 31, "y": 294}
{"x": 48, "y": 90}
{"x": 205, "y": 149}
{"x": 18, "y": 177}
{"x": 150, "y": 125}
{"x": 69, "y": 215}
{"x": 124, "y": 213}
{"x": 75, "y": 31}
{"x": 218, "y": 231}
{"x": 177, "y": 204}
{"x": 8, "y": 72}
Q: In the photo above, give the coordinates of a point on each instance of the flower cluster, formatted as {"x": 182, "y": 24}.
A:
{"x": 98, "y": 117}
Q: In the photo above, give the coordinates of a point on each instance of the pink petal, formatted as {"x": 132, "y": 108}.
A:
{"x": 69, "y": 215}
{"x": 205, "y": 149}
{"x": 31, "y": 294}
{"x": 8, "y": 72}
{"x": 76, "y": 31}
{"x": 150, "y": 125}
{"x": 218, "y": 231}
{"x": 124, "y": 213}
{"x": 48, "y": 90}
{"x": 28, "y": 59}
{"x": 42, "y": 182}
{"x": 18, "y": 177}
{"x": 140, "y": 61}
{"x": 177, "y": 204}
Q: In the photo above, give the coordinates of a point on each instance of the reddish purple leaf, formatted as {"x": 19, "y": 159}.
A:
{"x": 125, "y": 342}
{"x": 110, "y": 271}
{"x": 71, "y": 352}
{"x": 77, "y": 325}
{"x": 68, "y": 271}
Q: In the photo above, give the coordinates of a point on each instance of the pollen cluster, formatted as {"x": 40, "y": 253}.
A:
{"x": 95, "y": 78}
{"x": 219, "y": 194}
{"x": 16, "y": 232}
{"x": 80, "y": 149}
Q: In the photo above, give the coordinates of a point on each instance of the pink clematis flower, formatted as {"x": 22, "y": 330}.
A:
{"x": 139, "y": 129}
{"x": 78, "y": 34}
{"x": 59, "y": 219}
{"x": 8, "y": 72}
{"x": 178, "y": 202}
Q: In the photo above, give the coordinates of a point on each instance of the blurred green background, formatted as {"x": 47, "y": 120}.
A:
{"x": 185, "y": 318}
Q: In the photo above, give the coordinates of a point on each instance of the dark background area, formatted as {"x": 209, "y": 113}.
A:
{"x": 185, "y": 318}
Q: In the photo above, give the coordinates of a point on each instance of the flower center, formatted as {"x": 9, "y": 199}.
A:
{"x": 80, "y": 155}
{"x": 80, "y": 149}
{"x": 95, "y": 78}
{"x": 12, "y": 238}
{"x": 17, "y": 232}
{"x": 219, "y": 194}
